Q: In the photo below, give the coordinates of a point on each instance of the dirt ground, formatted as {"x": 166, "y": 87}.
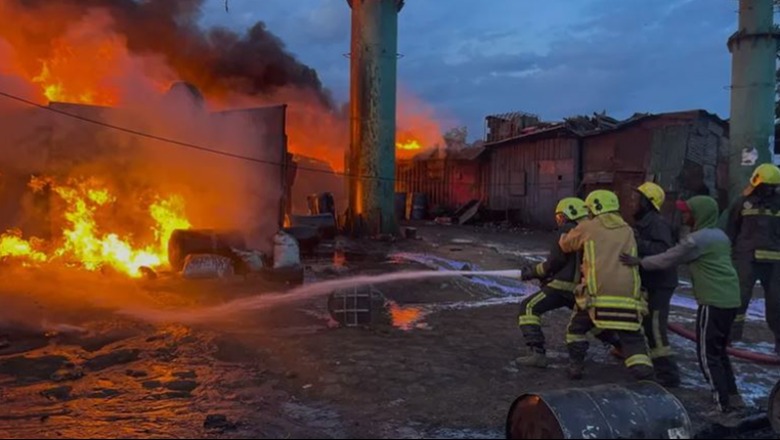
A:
{"x": 288, "y": 371}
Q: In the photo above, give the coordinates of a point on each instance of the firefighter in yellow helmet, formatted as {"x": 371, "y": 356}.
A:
{"x": 654, "y": 236}
{"x": 754, "y": 229}
{"x": 610, "y": 296}
{"x": 560, "y": 273}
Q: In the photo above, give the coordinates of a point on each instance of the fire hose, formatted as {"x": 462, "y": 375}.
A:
{"x": 760, "y": 358}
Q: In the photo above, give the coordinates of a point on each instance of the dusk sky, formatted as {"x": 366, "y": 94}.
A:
{"x": 555, "y": 58}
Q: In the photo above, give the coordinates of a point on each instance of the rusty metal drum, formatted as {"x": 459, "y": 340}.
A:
{"x": 639, "y": 410}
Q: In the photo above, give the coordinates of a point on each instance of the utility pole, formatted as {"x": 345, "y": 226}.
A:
{"x": 372, "y": 102}
{"x": 753, "y": 50}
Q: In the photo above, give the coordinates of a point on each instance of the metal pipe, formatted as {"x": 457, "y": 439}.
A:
{"x": 371, "y": 157}
{"x": 753, "y": 50}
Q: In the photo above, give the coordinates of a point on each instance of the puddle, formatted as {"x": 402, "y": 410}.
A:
{"x": 755, "y": 311}
{"x": 405, "y": 317}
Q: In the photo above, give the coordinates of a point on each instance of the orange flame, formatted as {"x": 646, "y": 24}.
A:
{"x": 408, "y": 145}
{"x": 66, "y": 77}
{"x": 83, "y": 241}
{"x": 13, "y": 245}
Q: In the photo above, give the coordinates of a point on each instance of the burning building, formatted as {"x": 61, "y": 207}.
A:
{"x": 85, "y": 67}
{"x": 106, "y": 186}
{"x": 102, "y": 159}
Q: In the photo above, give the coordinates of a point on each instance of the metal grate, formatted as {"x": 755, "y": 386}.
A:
{"x": 353, "y": 307}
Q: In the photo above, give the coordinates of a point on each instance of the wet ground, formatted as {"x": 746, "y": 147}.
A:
{"x": 289, "y": 372}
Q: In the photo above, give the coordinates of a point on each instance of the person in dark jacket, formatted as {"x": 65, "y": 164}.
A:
{"x": 654, "y": 236}
{"x": 707, "y": 252}
{"x": 754, "y": 229}
{"x": 561, "y": 274}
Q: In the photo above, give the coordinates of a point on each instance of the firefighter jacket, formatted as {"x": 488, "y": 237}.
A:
{"x": 654, "y": 236}
{"x": 562, "y": 268}
{"x": 754, "y": 227}
{"x": 610, "y": 290}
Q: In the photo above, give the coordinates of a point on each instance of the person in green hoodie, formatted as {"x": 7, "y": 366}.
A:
{"x": 707, "y": 251}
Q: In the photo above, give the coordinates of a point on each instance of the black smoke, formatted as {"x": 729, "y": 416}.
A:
{"x": 217, "y": 59}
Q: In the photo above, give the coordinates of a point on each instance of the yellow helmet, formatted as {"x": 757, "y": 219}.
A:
{"x": 602, "y": 201}
{"x": 572, "y": 207}
{"x": 654, "y": 193}
{"x": 766, "y": 173}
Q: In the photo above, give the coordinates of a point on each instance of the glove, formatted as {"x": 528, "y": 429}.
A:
{"x": 630, "y": 260}
{"x": 527, "y": 272}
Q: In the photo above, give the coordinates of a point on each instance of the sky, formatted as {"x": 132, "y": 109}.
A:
{"x": 468, "y": 59}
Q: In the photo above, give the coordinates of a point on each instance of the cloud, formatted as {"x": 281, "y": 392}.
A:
{"x": 470, "y": 59}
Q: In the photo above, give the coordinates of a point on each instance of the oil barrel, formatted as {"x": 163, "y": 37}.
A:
{"x": 308, "y": 237}
{"x": 185, "y": 242}
{"x": 773, "y": 409}
{"x": 324, "y": 223}
{"x": 638, "y": 410}
{"x": 326, "y": 203}
{"x": 419, "y": 206}
{"x": 400, "y": 206}
{"x": 321, "y": 203}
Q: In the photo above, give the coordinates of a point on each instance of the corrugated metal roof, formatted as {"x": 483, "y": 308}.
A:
{"x": 640, "y": 117}
{"x": 534, "y": 134}
{"x": 543, "y": 130}
{"x": 469, "y": 153}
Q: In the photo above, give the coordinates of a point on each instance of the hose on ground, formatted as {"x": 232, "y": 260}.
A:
{"x": 760, "y": 358}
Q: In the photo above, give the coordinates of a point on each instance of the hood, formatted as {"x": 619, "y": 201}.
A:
{"x": 704, "y": 210}
{"x": 611, "y": 220}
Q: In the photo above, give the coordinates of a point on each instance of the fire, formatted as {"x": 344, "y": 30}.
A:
{"x": 13, "y": 245}
{"x": 83, "y": 240}
{"x": 169, "y": 216}
{"x": 66, "y": 77}
{"x": 408, "y": 145}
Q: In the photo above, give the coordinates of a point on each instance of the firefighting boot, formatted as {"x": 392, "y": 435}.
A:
{"x": 536, "y": 359}
{"x": 737, "y": 402}
{"x": 666, "y": 372}
{"x": 642, "y": 372}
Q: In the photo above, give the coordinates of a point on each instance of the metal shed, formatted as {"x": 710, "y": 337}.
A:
{"x": 525, "y": 176}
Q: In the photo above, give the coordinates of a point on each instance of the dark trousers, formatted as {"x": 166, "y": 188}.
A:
{"x": 769, "y": 274}
{"x": 632, "y": 344}
{"x": 655, "y": 327}
{"x": 713, "y": 326}
{"x": 533, "y": 307}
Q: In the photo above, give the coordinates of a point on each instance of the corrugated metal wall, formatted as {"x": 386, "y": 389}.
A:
{"x": 624, "y": 156}
{"x": 528, "y": 176}
{"x": 448, "y": 184}
{"x": 680, "y": 151}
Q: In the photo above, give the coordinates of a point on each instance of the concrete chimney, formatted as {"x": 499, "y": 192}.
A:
{"x": 371, "y": 156}
{"x": 753, "y": 50}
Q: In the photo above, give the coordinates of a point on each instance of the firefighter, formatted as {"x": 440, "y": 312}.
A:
{"x": 610, "y": 296}
{"x": 563, "y": 272}
{"x": 654, "y": 236}
{"x": 754, "y": 229}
